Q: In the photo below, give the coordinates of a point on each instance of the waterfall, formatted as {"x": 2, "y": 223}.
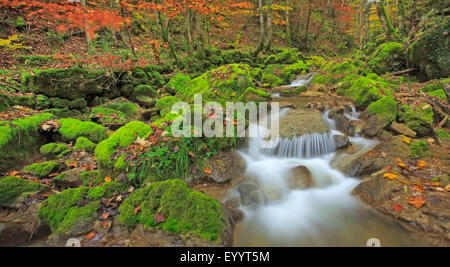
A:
{"x": 304, "y": 147}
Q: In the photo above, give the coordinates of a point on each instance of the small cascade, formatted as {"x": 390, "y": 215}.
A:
{"x": 301, "y": 81}
{"x": 304, "y": 147}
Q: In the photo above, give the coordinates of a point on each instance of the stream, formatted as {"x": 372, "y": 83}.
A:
{"x": 325, "y": 214}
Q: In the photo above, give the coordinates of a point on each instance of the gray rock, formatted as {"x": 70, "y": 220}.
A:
{"x": 300, "y": 178}
{"x": 341, "y": 141}
{"x": 345, "y": 125}
{"x": 401, "y": 128}
{"x": 374, "y": 126}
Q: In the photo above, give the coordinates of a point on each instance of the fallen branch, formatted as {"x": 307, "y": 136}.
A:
{"x": 10, "y": 86}
{"x": 401, "y": 72}
{"x": 442, "y": 123}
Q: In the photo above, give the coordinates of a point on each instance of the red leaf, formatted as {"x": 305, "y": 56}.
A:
{"x": 159, "y": 217}
{"x": 398, "y": 207}
{"x": 137, "y": 209}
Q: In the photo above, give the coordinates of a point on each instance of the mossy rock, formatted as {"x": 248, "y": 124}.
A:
{"x": 144, "y": 94}
{"x": 226, "y": 83}
{"x": 440, "y": 93}
{"x": 23, "y": 100}
{"x": 419, "y": 149}
{"x": 419, "y": 118}
{"x": 177, "y": 82}
{"x": 20, "y": 137}
{"x": 69, "y": 83}
{"x": 431, "y": 52}
{"x": 254, "y": 95}
{"x": 43, "y": 169}
{"x": 386, "y": 107}
{"x": 107, "y": 116}
{"x": 42, "y": 102}
{"x": 296, "y": 90}
{"x": 65, "y": 214}
{"x": 387, "y": 58}
{"x": 79, "y": 103}
{"x": 365, "y": 91}
{"x": 63, "y": 112}
{"x": 13, "y": 188}
{"x": 59, "y": 103}
{"x": 286, "y": 56}
{"x": 164, "y": 104}
{"x": 271, "y": 80}
{"x": 71, "y": 129}
{"x": 85, "y": 144}
{"x": 5, "y": 102}
{"x": 442, "y": 134}
{"x": 91, "y": 177}
{"x": 185, "y": 210}
{"x": 55, "y": 150}
{"x": 289, "y": 73}
{"x": 123, "y": 137}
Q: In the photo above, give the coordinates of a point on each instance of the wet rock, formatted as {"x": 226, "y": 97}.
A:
{"x": 272, "y": 193}
{"x": 345, "y": 125}
{"x": 300, "y": 122}
{"x": 383, "y": 194}
{"x": 69, "y": 179}
{"x": 374, "y": 126}
{"x": 226, "y": 166}
{"x": 252, "y": 198}
{"x": 246, "y": 187}
{"x": 318, "y": 87}
{"x": 401, "y": 128}
{"x": 335, "y": 111}
{"x": 341, "y": 141}
{"x": 300, "y": 178}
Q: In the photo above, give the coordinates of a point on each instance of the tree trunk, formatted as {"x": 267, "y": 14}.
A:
{"x": 269, "y": 25}
{"x": 261, "y": 28}
{"x": 308, "y": 19}
{"x": 402, "y": 17}
{"x": 128, "y": 32}
{"x": 189, "y": 30}
{"x": 361, "y": 24}
{"x": 288, "y": 24}
{"x": 391, "y": 32}
{"x": 86, "y": 30}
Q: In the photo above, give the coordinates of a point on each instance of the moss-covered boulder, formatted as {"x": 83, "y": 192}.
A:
{"x": 25, "y": 100}
{"x": 254, "y": 95}
{"x": 117, "y": 112}
{"x": 164, "y": 104}
{"x": 388, "y": 57}
{"x": 20, "y": 137}
{"x": 144, "y": 94}
{"x": 418, "y": 117}
{"x": 386, "y": 107}
{"x": 123, "y": 137}
{"x": 55, "y": 150}
{"x": 73, "y": 211}
{"x": 430, "y": 52}
{"x": 442, "y": 134}
{"x": 91, "y": 177}
{"x": 14, "y": 188}
{"x": 69, "y": 83}
{"x": 85, "y": 144}
{"x": 184, "y": 210}
{"x": 419, "y": 149}
{"x": 366, "y": 90}
{"x": 5, "y": 101}
{"x": 43, "y": 169}
{"x": 286, "y": 56}
{"x": 223, "y": 84}
{"x": 79, "y": 103}
{"x": 71, "y": 129}
{"x": 63, "y": 112}
{"x": 177, "y": 82}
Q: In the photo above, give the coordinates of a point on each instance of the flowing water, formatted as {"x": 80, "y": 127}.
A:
{"x": 323, "y": 215}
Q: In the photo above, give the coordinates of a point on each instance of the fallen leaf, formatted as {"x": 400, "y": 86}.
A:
{"x": 105, "y": 216}
{"x": 108, "y": 179}
{"x": 390, "y": 176}
{"x": 207, "y": 171}
{"x": 398, "y": 207}
{"x": 384, "y": 154}
{"x": 406, "y": 140}
{"x": 417, "y": 201}
{"x": 159, "y": 218}
{"x": 418, "y": 188}
{"x": 137, "y": 209}
{"x": 91, "y": 235}
{"x": 431, "y": 183}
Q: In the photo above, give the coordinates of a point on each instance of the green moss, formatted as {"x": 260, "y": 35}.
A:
{"x": 223, "y": 84}
{"x": 433, "y": 87}
{"x": 442, "y": 134}
{"x": 43, "y": 169}
{"x": 294, "y": 91}
{"x": 164, "y": 104}
{"x": 290, "y": 72}
{"x": 366, "y": 91}
{"x": 91, "y": 177}
{"x": 54, "y": 150}
{"x": 20, "y": 137}
{"x": 71, "y": 129}
{"x": 79, "y": 103}
{"x": 123, "y": 137}
{"x": 106, "y": 190}
{"x": 439, "y": 94}
{"x": 63, "y": 112}
{"x": 271, "y": 80}
{"x": 108, "y": 116}
{"x": 5, "y": 102}
{"x": 286, "y": 56}
{"x": 85, "y": 144}
{"x": 70, "y": 83}
{"x": 184, "y": 209}
{"x": 386, "y": 107}
{"x": 79, "y": 220}
{"x": 59, "y": 103}
{"x": 177, "y": 82}
{"x": 419, "y": 118}
{"x": 23, "y": 100}
{"x": 255, "y": 95}
{"x": 388, "y": 57}
{"x": 42, "y": 102}
{"x": 130, "y": 109}
{"x": 419, "y": 149}
{"x": 11, "y": 188}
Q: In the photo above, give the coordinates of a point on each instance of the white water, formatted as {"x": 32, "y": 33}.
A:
{"x": 301, "y": 81}
{"x": 323, "y": 215}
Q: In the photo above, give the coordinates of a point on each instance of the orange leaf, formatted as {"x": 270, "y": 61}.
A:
{"x": 137, "y": 209}
{"x": 416, "y": 201}
{"x": 390, "y": 176}
{"x": 431, "y": 183}
{"x": 421, "y": 163}
{"x": 108, "y": 179}
{"x": 398, "y": 207}
{"x": 389, "y": 168}
{"x": 191, "y": 154}
{"x": 91, "y": 235}
{"x": 418, "y": 188}
{"x": 13, "y": 173}
{"x": 105, "y": 216}
{"x": 207, "y": 171}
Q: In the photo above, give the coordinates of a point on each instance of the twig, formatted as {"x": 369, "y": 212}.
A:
{"x": 10, "y": 86}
